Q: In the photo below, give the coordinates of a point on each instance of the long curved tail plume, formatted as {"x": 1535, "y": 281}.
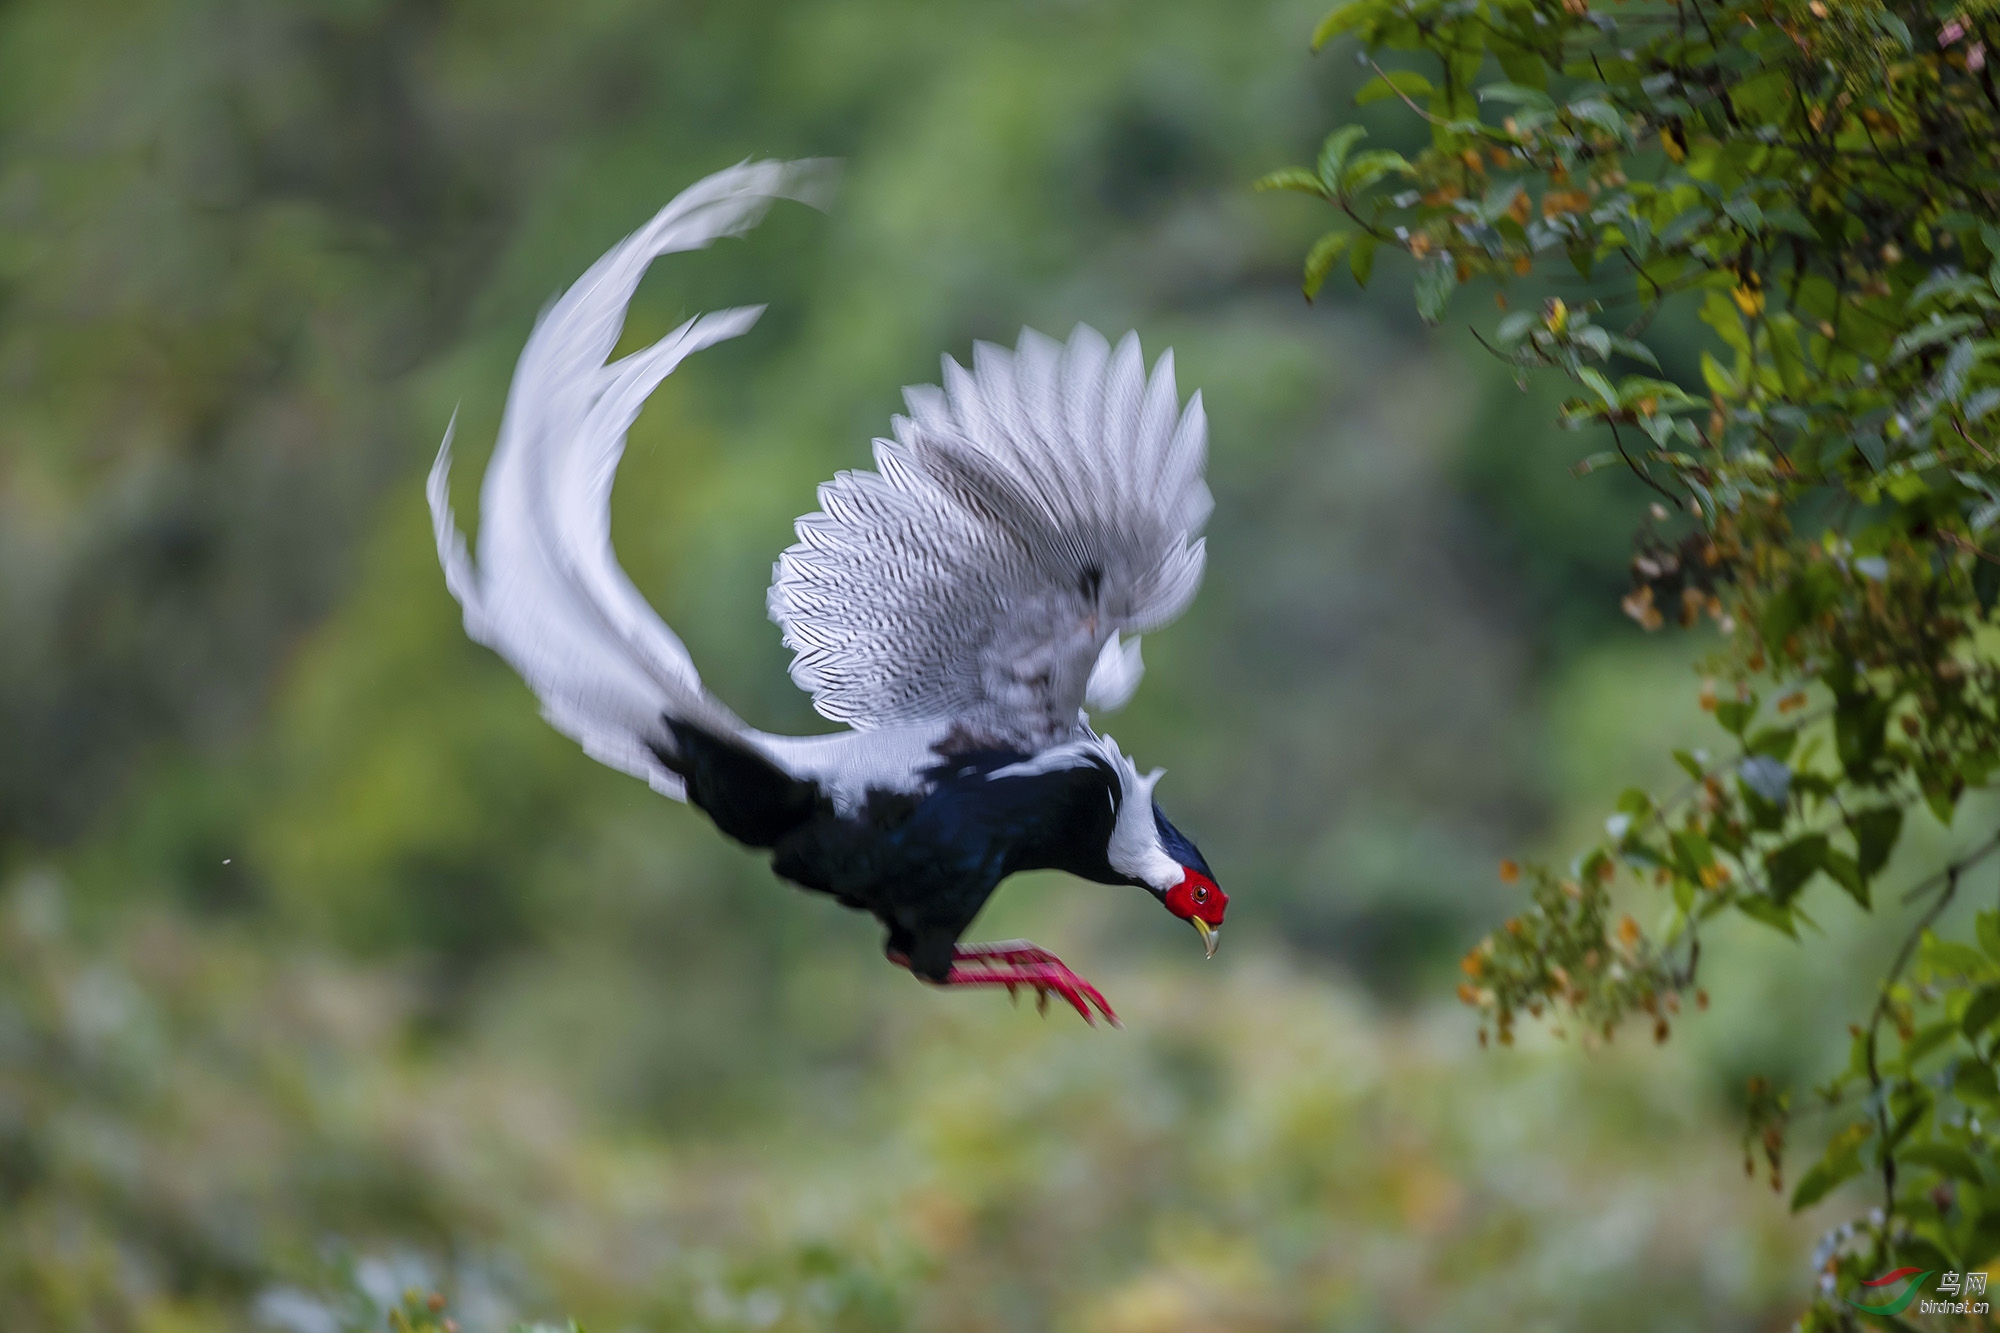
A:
{"x": 547, "y": 593}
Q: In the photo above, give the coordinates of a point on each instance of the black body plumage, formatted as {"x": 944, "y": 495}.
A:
{"x": 924, "y": 865}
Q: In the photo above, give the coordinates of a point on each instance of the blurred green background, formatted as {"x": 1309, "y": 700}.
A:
{"x": 327, "y": 969}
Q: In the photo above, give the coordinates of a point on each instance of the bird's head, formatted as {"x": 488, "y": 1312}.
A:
{"x": 1195, "y": 897}
{"x": 1149, "y": 851}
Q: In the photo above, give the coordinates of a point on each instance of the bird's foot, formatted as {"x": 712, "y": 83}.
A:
{"x": 1006, "y": 951}
{"x": 1016, "y": 964}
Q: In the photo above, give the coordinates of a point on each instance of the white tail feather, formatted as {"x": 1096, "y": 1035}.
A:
{"x": 547, "y": 593}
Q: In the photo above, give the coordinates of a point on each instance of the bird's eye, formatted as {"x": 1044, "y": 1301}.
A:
{"x": 1201, "y": 893}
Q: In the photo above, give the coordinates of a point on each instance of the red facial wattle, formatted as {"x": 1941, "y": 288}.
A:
{"x": 1197, "y": 897}
{"x": 1200, "y": 900}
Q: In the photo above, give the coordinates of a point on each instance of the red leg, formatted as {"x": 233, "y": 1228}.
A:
{"x": 1011, "y": 951}
{"x": 1017, "y": 963}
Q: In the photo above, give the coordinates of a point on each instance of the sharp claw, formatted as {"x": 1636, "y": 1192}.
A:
{"x": 1018, "y": 964}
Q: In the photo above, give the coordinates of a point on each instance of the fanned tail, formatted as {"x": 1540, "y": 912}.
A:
{"x": 547, "y": 593}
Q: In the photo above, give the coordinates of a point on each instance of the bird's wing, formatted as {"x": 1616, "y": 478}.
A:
{"x": 547, "y": 593}
{"x": 1024, "y": 518}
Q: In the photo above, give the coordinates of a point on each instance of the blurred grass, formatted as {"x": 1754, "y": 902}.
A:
{"x": 1264, "y": 1150}
{"x": 328, "y": 969}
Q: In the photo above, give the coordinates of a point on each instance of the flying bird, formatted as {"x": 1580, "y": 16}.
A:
{"x": 957, "y": 607}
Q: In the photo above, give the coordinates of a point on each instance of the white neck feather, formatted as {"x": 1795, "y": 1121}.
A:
{"x": 1135, "y": 847}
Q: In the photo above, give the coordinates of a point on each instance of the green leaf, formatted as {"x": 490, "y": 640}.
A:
{"x": 1364, "y": 169}
{"x": 1974, "y": 1082}
{"x": 1782, "y": 338}
{"x": 1911, "y": 1102}
{"x": 1966, "y": 354}
{"x": 1875, "y": 832}
{"x": 1943, "y": 1158}
{"x": 1296, "y": 179}
{"x": 1949, "y": 958}
{"x": 1333, "y": 154}
{"x": 1790, "y": 866}
{"x": 1940, "y": 329}
{"x": 1908, "y": 487}
{"x": 1869, "y": 442}
{"x": 1777, "y": 917}
{"x": 1987, "y": 926}
{"x": 1980, "y": 1011}
{"x": 1720, "y": 313}
{"x": 1391, "y": 82}
{"x": 1361, "y": 258}
{"x": 1893, "y": 26}
{"x": 1858, "y": 722}
{"x": 1600, "y": 386}
{"x": 1824, "y": 1176}
{"x": 1523, "y": 67}
{"x": 1692, "y": 852}
{"x": 1777, "y": 742}
{"x": 1986, "y": 585}
{"x": 1320, "y": 258}
{"x": 1517, "y": 95}
{"x": 1782, "y": 614}
{"x": 1638, "y": 351}
{"x": 1841, "y": 868}
{"x": 1925, "y": 1040}
{"x": 1596, "y": 111}
{"x": 1435, "y": 280}
{"x": 1789, "y": 219}
{"x": 1336, "y": 22}
{"x": 1745, "y": 214}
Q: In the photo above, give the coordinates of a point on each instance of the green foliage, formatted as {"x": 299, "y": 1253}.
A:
{"x": 1817, "y": 181}
{"x": 213, "y": 1139}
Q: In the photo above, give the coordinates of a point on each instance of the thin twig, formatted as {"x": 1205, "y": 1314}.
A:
{"x": 1638, "y": 469}
{"x": 1400, "y": 93}
{"x": 1952, "y": 539}
{"x": 1959, "y": 426}
{"x": 1969, "y": 860}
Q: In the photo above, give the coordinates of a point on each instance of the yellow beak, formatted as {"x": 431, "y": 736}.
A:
{"x": 1210, "y": 935}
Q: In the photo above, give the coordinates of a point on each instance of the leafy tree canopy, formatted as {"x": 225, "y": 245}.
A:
{"x": 1817, "y": 178}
